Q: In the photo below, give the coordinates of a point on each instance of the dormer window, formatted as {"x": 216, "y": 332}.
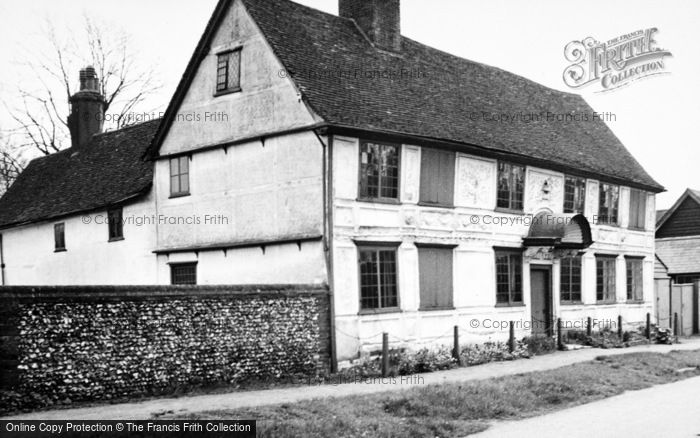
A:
{"x": 228, "y": 71}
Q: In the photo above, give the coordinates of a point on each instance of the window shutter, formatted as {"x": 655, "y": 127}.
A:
{"x": 447, "y": 178}
{"x": 436, "y": 278}
{"x": 437, "y": 177}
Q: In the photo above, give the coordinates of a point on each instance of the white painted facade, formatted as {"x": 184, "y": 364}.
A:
{"x": 471, "y": 226}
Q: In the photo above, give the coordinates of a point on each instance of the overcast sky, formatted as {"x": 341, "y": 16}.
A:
{"x": 657, "y": 118}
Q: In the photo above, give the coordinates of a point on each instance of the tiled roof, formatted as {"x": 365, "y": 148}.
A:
{"x": 111, "y": 168}
{"x": 680, "y": 255}
{"x": 442, "y": 97}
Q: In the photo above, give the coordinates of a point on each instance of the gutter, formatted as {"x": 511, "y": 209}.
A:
{"x": 123, "y": 201}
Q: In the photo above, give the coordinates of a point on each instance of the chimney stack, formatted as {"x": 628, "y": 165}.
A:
{"x": 87, "y": 109}
{"x": 380, "y": 20}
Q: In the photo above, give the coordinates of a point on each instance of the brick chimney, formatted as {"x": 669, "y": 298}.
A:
{"x": 380, "y": 20}
{"x": 87, "y": 109}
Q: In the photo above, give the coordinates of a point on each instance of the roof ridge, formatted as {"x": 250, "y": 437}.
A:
{"x": 127, "y": 127}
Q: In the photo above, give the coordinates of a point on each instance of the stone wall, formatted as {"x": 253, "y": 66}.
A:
{"x": 67, "y": 344}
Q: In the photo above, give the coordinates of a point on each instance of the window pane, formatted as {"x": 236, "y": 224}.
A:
{"x": 635, "y": 279}
{"x": 574, "y": 195}
{"x": 185, "y": 183}
{"x": 511, "y": 186}
{"x": 605, "y": 279}
{"x": 174, "y": 185}
{"x": 184, "y": 165}
{"x": 174, "y": 166}
{"x": 185, "y": 273}
{"x": 509, "y": 277}
{"x": 369, "y": 280}
{"x": 387, "y": 270}
{"x": 608, "y": 204}
{"x": 379, "y": 171}
{"x": 570, "y": 279}
{"x": 637, "y": 209}
{"x": 503, "y": 185}
{"x": 234, "y": 69}
{"x": 516, "y": 273}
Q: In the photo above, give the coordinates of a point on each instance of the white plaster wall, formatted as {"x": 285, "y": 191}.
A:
{"x": 278, "y": 264}
{"x": 258, "y": 192}
{"x": 90, "y": 258}
{"x": 268, "y": 101}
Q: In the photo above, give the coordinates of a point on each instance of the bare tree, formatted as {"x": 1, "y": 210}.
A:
{"x": 11, "y": 164}
{"x": 41, "y": 106}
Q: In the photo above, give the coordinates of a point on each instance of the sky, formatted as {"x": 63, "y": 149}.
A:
{"x": 656, "y": 118}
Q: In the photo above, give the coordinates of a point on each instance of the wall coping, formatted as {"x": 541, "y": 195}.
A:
{"x": 155, "y": 292}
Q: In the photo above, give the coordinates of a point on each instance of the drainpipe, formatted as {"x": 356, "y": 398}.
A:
{"x": 2, "y": 264}
{"x": 328, "y": 236}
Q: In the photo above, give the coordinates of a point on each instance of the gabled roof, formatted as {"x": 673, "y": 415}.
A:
{"x": 689, "y": 193}
{"x": 660, "y": 214}
{"x": 680, "y": 255}
{"x": 110, "y": 169}
{"x": 432, "y": 96}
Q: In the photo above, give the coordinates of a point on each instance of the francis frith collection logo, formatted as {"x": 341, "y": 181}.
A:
{"x": 615, "y": 63}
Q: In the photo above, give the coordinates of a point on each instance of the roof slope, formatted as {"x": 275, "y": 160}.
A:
{"x": 681, "y": 256}
{"x": 109, "y": 169}
{"x": 682, "y": 219}
{"x": 437, "y": 96}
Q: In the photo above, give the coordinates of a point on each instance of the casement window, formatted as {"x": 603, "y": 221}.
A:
{"x": 509, "y": 271}
{"x": 437, "y": 177}
{"x": 511, "y": 186}
{"x": 379, "y": 171}
{"x": 378, "y": 282}
{"x": 228, "y": 71}
{"x": 116, "y": 224}
{"x": 179, "y": 176}
{"x": 183, "y": 273}
{"x": 635, "y": 279}
{"x": 608, "y": 204}
{"x": 574, "y": 194}
{"x": 638, "y": 209}
{"x": 436, "y": 278}
{"x": 59, "y": 237}
{"x": 570, "y": 276}
{"x": 605, "y": 279}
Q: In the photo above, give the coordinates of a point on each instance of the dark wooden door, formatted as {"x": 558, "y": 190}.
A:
{"x": 540, "y": 301}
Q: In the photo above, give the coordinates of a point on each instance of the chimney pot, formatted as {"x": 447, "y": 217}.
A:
{"x": 87, "y": 109}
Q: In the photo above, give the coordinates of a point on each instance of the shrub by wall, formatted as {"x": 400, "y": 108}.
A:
{"x": 61, "y": 345}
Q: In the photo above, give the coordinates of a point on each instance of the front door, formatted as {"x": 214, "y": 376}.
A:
{"x": 540, "y": 301}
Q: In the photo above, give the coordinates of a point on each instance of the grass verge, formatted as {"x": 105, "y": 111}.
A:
{"x": 453, "y": 410}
